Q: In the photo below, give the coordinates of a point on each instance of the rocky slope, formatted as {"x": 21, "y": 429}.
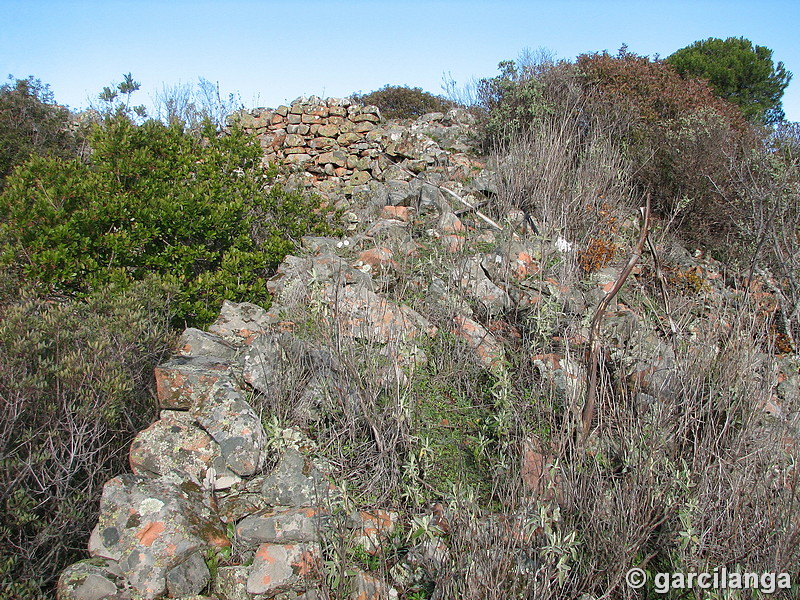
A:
{"x": 245, "y": 487}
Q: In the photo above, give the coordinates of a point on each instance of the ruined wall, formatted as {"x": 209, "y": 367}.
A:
{"x": 335, "y": 146}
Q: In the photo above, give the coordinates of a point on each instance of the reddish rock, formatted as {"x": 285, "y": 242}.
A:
{"x": 369, "y": 587}
{"x": 182, "y": 380}
{"x": 488, "y": 350}
{"x": 372, "y": 529}
{"x": 279, "y": 568}
{"x": 401, "y": 213}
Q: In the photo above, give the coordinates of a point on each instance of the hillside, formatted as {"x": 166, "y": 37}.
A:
{"x": 407, "y": 417}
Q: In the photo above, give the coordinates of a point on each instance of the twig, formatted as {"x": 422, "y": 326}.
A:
{"x": 477, "y": 212}
{"x": 662, "y": 285}
{"x": 594, "y": 331}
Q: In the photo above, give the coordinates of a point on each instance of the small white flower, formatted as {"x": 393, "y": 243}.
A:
{"x": 563, "y": 245}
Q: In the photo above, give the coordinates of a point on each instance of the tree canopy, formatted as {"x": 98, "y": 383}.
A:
{"x": 740, "y": 72}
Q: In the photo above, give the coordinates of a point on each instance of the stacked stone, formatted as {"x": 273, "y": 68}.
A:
{"x": 328, "y": 138}
{"x": 336, "y": 145}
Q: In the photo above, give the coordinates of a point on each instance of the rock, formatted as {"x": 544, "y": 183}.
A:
{"x": 235, "y": 426}
{"x": 431, "y": 554}
{"x": 151, "y": 526}
{"x": 366, "y": 315}
{"x": 189, "y": 578}
{"x": 181, "y": 381}
{"x": 231, "y": 584}
{"x": 194, "y": 342}
{"x": 401, "y": 193}
{"x": 87, "y": 580}
{"x": 281, "y": 526}
{"x": 278, "y": 568}
{"x": 379, "y": 260}
{"x": 487, "y": 349}
{"x": 470, "y": 277}
{"x": 369, "y": 587}
{"x": 372, "y": 529}
{"x": 450, "y": 223}
{"x": 174, "y": 444}
{"x": 432, "y": 200}
{"x": 268, "y": 359}
{"x": 297, "y": 276}
{"x": 294, "y": 482}
{"x": 399, "y": 213}
{"x": 565, "y": 374}
{"x": 240, "y": 323}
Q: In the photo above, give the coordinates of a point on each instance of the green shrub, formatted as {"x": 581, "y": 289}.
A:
{"x": 154, "y": 200}
{"x": 512, "y": 100}
{"x": 31, "y": 123}
{"x": 403, "y": 102}
{"x": 76, "y": 384}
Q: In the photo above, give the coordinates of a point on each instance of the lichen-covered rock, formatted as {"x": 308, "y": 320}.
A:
{"x": 183, "y": 379}
{"x": 90, "y": 579}
{"x": 364, "y": 314}
{"x": 372, "y": 529}
{"x": 151, "y": 526}
{"x": 472, "y": 279}
{"x": 194, "y": 342}
{"x": 564, "y": 373}
{"x": 175, "y": 444}
{"x": 297, "y": 277}
{"x": 281, "y": 526}
{"x": 240, "y": 323}
{"x": 282, "y": 567}
{"x": 369, "y": 587}
{"x": 295, "y": 481}
{"x": 267, "y": 359}
{"x": 235, "y": 426}
{"x": 189, "y": 578}
{"x": 488, "y": 350}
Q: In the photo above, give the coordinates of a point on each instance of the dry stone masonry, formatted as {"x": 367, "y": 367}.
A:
{"x": 336, "y": 146}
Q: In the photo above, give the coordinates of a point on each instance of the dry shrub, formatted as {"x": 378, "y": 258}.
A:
{"x": 700, "y": 477}
{"x": 76, "y": 385}
{"x": 568, "y": 173}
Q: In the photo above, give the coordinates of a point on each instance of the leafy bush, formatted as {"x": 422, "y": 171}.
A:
{"x": 403, "y": 102}
{"x": 76, "y": 384}
{"x": 512, "y": 100}
{"x": 31, "y": 123}
{"x": 154, "y": 200}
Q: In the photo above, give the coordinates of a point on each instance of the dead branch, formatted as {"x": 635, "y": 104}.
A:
{"x": 594, "y": 331}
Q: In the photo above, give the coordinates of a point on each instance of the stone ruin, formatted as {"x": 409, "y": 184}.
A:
{"x": 207, "y": 478}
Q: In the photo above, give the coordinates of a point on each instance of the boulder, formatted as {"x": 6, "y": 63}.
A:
{"x": 91, "y": 579}
{"x": 235, "y": 426}
{"x": 182, "y": 380}
{"x": 175, "y": 444}
{"x": 151, "y": 526}
{"x": 281, "y": 526}
{"x": 241, "y": 322}
{"x": 295, "y": 481}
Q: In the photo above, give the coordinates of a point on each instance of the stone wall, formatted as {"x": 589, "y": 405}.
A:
{"x": 336, "y": 146}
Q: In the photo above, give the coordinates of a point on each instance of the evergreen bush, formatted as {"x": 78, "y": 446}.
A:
{"x": 154, "y": 200}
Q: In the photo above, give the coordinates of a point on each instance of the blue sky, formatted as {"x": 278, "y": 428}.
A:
{"x": 271, "y": 52}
